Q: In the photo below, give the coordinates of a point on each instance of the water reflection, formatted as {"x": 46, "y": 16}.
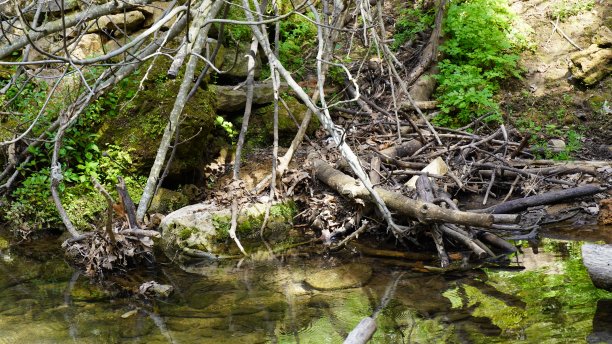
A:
{"x": 42, "y": 300}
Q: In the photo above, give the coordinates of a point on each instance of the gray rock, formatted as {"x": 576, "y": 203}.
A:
{"x": 232, "y": 99}
{"x": 342, "y": 277}
{"x": 128, "y": 21}
{"x": 557, "y": 145}
{"x": 235, "y": 62}
{"x": 204, "y": 227}
{"x": 153, "y": 13}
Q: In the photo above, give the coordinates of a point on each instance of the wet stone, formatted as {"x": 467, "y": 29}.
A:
{"x": 342, "y": 277}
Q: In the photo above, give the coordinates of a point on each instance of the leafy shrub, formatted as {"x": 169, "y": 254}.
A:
{"x": 297, "y": 36}
{"x": 410, "y": 22}
{"x": 31, "y": 206}
{"x": 480, "y": 51}
{"x": 564, "y": 9}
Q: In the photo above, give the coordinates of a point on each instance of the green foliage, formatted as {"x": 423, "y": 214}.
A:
{"x": 410, "y": 22}
{"x": 227, "y": 127}
{"x": 297, "y": 36}
{"x": 564, "y": 9}
{"x": 238, "y": 33}
{"x": 31, "y": 207}
{"x": 540, "y": 133}
{"x": 480, "y": 51}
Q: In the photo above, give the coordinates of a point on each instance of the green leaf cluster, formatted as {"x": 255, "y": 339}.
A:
{"x": 481, "y": 50}
{"x": 564, "y": 9}
{"x": 31, "y": 207}
{"x": 410, "y": 22}
{"x": 297, "y": 36}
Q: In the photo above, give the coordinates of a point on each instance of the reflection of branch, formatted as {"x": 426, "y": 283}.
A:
{"x": 72, "y": 329}
{"x": 364, "y": 331}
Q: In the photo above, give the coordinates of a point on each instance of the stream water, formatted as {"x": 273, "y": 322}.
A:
{"x": 550, "y": 300}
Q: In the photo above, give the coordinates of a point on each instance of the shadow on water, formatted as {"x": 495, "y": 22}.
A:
{"x": 551, "y": 300}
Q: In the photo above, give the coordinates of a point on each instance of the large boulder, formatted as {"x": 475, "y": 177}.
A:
{"x": 262, "y": 130}
{"x": 139, "y": 124}
{"x": 205, "y": 228}
{"x": 154, "y": 12}
{"x": 129, "y": 21}
{"x": 235, "y": 62}
{"x": 88, "y": 46}
{"x": 166, "y": 201}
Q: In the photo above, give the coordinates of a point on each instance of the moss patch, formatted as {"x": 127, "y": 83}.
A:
{"x": 141, "y": 122}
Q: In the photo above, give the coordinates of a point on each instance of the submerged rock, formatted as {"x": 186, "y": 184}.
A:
{"x": 342, "y": 277}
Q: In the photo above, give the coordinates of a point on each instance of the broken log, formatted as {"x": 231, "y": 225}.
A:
{"x": 426, "y": 194}
{"x": 598, "y": 261}
{"x": 422, "y": 104}
{"x": 418, "y": 210}
{"x": 521, "y": 204}
{"x": 405, "y": 149}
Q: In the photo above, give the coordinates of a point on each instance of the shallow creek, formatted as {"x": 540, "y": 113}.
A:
{"x": 551, "y": 300}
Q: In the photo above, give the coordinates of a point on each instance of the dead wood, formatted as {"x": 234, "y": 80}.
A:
{"x": 128, "y": 204}
{"x": 363, "y": 332}
{"x": 415, "y": 209}
{"x": 405, "y": 149}
{"x": 543, "y": 199}
{"x": 109, "y": 210}
{"x": 375, "y": 252}
{"x": 431, "y": 50}
{"x": 426, "y": 194}
{"x": 421, "y": 104}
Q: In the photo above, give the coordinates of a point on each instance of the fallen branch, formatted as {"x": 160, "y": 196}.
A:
{"x": 543, "y": 199}
{"x": 418, "y": 210}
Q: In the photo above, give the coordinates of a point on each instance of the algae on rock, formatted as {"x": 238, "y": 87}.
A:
{"x": 141, "y": 122}
{"x": 205, "y": 227}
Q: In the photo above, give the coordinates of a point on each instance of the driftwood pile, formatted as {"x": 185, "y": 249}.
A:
{"x": 420, "y": 174}
{"x": 122, "y": 243}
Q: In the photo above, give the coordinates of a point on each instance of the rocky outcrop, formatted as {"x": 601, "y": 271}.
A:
{"x": 166, "y": 201}
{"x": 89, "y": 45}
{"x": 595, "y": 62}
{"x": 127, "y": 22}
{"x": 235, "y": 62}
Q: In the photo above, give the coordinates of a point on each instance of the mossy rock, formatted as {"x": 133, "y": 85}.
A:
{"x": 140, "y": 124}
{"x": 235, "y": 62}
{"x": 166, "y": 201}
{"x": 261, "y": 131}
{"x": 205, "y": 227}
